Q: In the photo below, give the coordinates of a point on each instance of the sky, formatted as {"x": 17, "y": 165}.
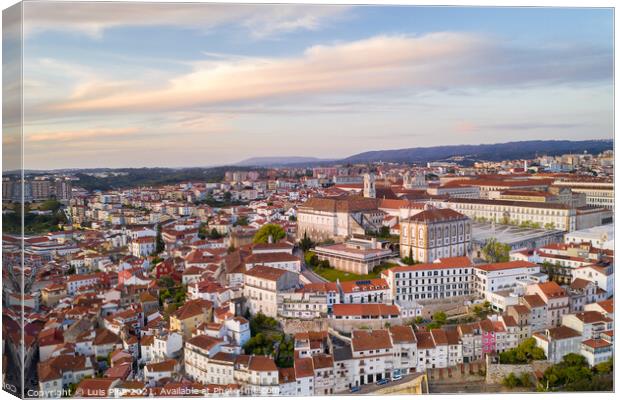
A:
{"x": 179, "y": 85}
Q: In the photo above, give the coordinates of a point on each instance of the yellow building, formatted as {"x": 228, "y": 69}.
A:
{"x": 190, "y": 315}
{"x": 51, "y": 295}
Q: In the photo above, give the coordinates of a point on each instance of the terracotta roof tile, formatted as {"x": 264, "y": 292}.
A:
{"x": 363, "y": 340}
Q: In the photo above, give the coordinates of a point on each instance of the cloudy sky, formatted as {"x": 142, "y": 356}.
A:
{"x": 111, "y": 85}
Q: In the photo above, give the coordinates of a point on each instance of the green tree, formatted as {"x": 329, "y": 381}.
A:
{"x": 159, "y": 241}
{"x": 311, "y": 259}
{"x": 203, "y": 230}
{"x": 524, "y": 353}
{"x": 510, "y": 380}
{"x": 305, "y": 243}
{"x": 573, "y": 374}
{"x": 440, "y": 317}
{"x": 409, "y": 259}
{"x": 276, "y": 232}
{"x": 50, "y": 205}
{"x": 433, "y": 325}
{"x": 384, "y": 232}
{"x": 286, "y": 352}
{"x": 165, "y": 282}
{"x": 70, "y": 390}
{"x": 214, "y": 234}
{"x": 242, "y": 221}
{"x": 495, "y": 251}
{"x": 525, "y": 379}
{"x": 605, "y": 367}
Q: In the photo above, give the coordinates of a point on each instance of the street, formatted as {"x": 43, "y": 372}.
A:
{"x": 305, "y": 271}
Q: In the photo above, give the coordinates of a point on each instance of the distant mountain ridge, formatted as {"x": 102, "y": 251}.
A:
{"x": 490, "y": 152}
{"x": 278, "y": 161}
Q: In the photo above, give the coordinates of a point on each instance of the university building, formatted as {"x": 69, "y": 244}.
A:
{"x": 435, "y": 233}
{"x": 338, "y": 218}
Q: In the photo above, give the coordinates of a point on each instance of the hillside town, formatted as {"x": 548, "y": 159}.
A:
{"x": 359, "y": 278}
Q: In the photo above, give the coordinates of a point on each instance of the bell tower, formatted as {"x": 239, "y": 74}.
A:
{"x": 369, "y": 185}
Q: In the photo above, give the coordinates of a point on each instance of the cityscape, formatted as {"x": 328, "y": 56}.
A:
{"x": 298, "y": 200}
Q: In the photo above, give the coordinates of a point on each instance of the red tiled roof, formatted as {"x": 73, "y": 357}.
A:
{"x": 402, "y": 334}
{"x": 505, "y": 265}
{"x": 364, "y": 286}
{"x": 204, "y": 342}
{"x": 373, "y": 310}
{"x": 442, "y": 263}
{"x": 551, "y": 289}
{"x": 436, "y": 215}
{"x": 588, "y": 317}
{"x": 363, "y": 340}
{"x": 596, "y": 343}
{"x": 304, "y": 367}
{"x": 94, "y": 387}
{"x": 262, "y": 363}
{"x": 264, "y": 272}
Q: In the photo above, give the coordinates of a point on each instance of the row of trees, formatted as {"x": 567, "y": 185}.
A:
{"x": 574, "y": 374}
{"x": 523, "y": 224}
{"x": 34, "y": 223}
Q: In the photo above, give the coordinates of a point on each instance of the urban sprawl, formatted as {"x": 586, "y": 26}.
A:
{"x": 372, "y": 278}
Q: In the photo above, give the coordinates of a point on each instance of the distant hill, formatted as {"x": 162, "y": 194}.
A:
{"x": 277, "y": 161}
{"x": 489, "y": 152}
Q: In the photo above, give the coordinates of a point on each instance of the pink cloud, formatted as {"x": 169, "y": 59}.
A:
{"x": 67, "y": 136}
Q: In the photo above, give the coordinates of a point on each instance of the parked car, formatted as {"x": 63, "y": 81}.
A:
{"x": 383, "y": 381}
{"x": 355, "y": 389}
{"x": 396, "y": 375}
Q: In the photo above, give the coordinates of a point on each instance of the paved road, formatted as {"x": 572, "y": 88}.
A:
{"x": 305, "y": 271}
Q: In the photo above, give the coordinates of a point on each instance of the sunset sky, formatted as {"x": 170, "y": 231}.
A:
{"x": 132, "y": 85}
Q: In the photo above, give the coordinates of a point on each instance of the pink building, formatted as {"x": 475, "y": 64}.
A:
{"x": 489, "y": 339}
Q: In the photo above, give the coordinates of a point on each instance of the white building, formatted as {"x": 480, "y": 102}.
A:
{"x": 502, "y": 276}
{"x": 443, "y": 278}
{"x": 597, "y": 351}
{"x": 558, "y": 342}
{"x": 337, "y": 218}
{"x": 365, "y": 291}
{"x": 372, "y": 353}
{"x": 142, "y": 246}
{"x": 602, "y": 276}
{"x": 198, "y": 351}
{"x": 261, "y": 287}
{"x": 280, "y": 260}
{"x": 601, "y": 237}
{"x": 589, "y": 324}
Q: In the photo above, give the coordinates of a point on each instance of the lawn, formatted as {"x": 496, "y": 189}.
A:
{"x": 332, "y": 274}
